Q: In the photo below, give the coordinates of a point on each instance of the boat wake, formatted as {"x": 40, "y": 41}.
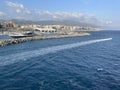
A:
{"x": 14, "y": 58}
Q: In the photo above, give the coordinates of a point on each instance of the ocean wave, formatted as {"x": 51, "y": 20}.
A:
{"x": 18, "y": 57}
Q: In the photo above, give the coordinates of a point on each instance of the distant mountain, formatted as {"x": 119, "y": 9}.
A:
{"x": 52, "y": 22}
{"x": 1, "y": 20}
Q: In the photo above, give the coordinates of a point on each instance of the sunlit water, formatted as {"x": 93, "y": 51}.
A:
{"x": 79, "y": 63}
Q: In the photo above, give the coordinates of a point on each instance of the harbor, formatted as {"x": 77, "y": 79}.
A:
{"x": 13, "y": 33}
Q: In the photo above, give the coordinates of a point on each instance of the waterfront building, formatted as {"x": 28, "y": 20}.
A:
{"x": 43, "y": 30}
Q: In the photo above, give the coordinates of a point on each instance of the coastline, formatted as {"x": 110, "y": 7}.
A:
{"x": 26, "y": 39}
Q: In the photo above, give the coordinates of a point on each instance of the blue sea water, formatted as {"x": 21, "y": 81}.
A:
{"x": 4, "y": 37}
{"x": 77, "y": 63}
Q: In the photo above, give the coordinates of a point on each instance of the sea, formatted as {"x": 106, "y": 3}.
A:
{"x": 76, "y": 63}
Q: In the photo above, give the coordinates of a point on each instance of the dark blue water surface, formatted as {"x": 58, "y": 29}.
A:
{"x": 38, "y": 65}
{"x": 4, "y": 37}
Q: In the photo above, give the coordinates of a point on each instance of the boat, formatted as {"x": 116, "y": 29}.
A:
{"x": 29, "y": 33}
{"x": 16, "y": 35}
{"x": 20, "y": 35}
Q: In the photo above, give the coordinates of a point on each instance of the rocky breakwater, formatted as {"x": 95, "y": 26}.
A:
{"x": 21, "y": 40}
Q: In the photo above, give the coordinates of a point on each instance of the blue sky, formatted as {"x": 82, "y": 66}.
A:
{"x": 103, "y": 12}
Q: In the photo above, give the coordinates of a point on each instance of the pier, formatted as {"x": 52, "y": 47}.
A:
{"x": 26, "y": 39}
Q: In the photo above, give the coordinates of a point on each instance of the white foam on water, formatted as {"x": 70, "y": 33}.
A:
{"x": 18, "y": 57}
{"x": 100, "y": 69}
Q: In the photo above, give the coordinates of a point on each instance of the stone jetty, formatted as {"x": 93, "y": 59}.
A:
{"x": 26, "y": 39}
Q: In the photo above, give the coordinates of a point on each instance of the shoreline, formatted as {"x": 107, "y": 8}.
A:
{"x": 26, "y": 39}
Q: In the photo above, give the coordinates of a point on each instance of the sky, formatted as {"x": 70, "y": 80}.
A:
{"x": 100, "y": 12}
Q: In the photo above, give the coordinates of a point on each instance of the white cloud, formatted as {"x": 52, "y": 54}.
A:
{"x": 15, "y": 5}
{"x": 24, "y": 13}
{"x": 80, "y": 17}
{"x": 109, "y": 22}
{"x": 19, "y": 8}
{"x": 2, "y": 14}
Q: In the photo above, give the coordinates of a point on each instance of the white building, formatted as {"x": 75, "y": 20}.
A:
{"x": 45, "y": 30}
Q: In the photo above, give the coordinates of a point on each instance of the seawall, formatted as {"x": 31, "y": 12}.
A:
{"x": 26, "y": 39}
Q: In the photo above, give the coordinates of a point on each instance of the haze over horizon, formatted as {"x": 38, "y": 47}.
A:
{"x": 104, "y": 13}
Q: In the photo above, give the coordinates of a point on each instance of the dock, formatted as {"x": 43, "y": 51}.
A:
{"x": 26, "y": 39}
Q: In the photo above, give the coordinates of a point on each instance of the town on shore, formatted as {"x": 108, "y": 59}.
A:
{"x": 28, "y": 32}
